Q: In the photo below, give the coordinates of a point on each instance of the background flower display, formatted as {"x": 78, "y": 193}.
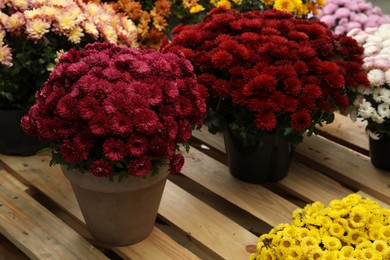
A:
{"x": 268, "y": 72}
{"x": 350, "y": 228}
{"x": 114, "y": 110}
{"x": 33, "y": 32}
{"x": 156, "y": 18}
{"x": 344, "y": 15}
{"x": 373, "y": 103}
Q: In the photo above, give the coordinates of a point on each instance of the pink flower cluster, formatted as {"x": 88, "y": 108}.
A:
{"x": 344, "y": 15}
{"x": 112, "y": 109}
{"x": 284, "y": 71}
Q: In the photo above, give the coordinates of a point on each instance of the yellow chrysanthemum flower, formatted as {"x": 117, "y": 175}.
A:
{"x": 347, "y": 252}
{"x": 355, "y": 236}
{"x": 286, "y": 242}
{"x": 382, "y": 247}
{"x": 331, "y": 243}
{"x": 294, "y": 252}
{"x": 91, "y": 29}
{"x": 315, "y": 253}
{"x": 59, "y": 3}
{"x": 308, "y": 243}
{"x": 336, "y": 229}
{"x": 37, "y": 28}
{"x": 331, "y": 255}
{"x": 20, "y": 4}
{"x": 66, "y": 22}
{"x": 224, "y": 3}
{"x": 287, "y": 5}
{"x": 75, "y": 35}
{"x": 357, "y": 217}
{"x": 368, "y": 253}
{"x": 321, "y": 3}
{"x": 196, "y": 9}
{"x": 385, "y": 230}
{"x": 267, "y": 254}
{"x": 5, "y": 56}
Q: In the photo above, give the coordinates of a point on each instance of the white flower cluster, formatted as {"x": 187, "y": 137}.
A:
{"x": 373, "y": 103}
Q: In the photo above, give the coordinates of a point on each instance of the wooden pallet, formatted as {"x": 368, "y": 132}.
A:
{"x": 205, "y": 213}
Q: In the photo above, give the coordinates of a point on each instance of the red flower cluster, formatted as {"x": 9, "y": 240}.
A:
{"x": 112, "y": 109}
{"x": 289, "y": 74}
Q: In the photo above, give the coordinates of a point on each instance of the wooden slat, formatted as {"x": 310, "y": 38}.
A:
{"x": 345, "y": 165}
{"x": 156, "y": 246}
{"x": 211, "y": 140}
{"x": 310, "y": 185}
{"x": 256, "y": 199}
{"x": 10, "y": 251}
{"x": 35, "y": 230}
{"x": 213, "y": 232}
{"x": 36, "y": 171}
{"x": 345, "y": 131}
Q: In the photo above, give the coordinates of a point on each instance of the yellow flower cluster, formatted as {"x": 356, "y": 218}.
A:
{"x": 350, "y": 228}
{"x": 297, "y": 7}
{"x": 74, "y": 20}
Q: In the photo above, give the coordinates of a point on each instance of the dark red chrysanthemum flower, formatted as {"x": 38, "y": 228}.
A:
{"x": 99, "y": 124}
{"x": 341, "y": 101}
{"x": 101, "y": 168}
{"x": 137, "y": 145}
{"x": 114, "y": 150}
{"x": 301, "y": 120}
{"x": 176, "y": 163}
{"x": 312, "y": 91}
{"x": 146, "y": 121}
{"x": 73, "y": 151}
{"x": 266, "y": 121}
{"x": 221, "y": 59}
{"x": 140, "y": 166}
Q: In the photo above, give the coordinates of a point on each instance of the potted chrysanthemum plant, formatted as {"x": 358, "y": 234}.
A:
{"x": 349, "y": 228}
{"x": 32, "y": 35}
{"x": 373, "y": 103}
{"x": 271, "y": 78}
{"x": 118, "y": 118}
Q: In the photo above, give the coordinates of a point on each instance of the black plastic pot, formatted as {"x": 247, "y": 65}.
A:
{"x": 380, "y": 153}
{"x": 13, "y": 141}
{"x": 269, "y": 161}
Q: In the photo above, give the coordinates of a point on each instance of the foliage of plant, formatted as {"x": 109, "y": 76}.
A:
{"x": 269, "y": 72}
{"x": 350, "y": 228}
{"x": 373, "y": 103}
{"x": 344, "y": 15}
{"x": 115, "y": 110}
{"x": 32, "y": 33}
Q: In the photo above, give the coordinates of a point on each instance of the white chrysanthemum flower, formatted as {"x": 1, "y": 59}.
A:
{"x": 384, "y": 95}
{"x": 386, "y": 43}
{"x": 374, "y": 116}
{"x": 384, "y": 33}
{"x": 374, "y": 38}
{"x": 384, "y": 110}
{"x": 376, "y": 77}
{"x": 366, "y": 109}
{"x": 371, "y": 49}
{"x": 387, "y": 76}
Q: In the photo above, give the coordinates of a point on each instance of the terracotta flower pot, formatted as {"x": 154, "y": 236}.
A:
{"x": 268, "y": 161}
{"x": 121, "y": 213}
